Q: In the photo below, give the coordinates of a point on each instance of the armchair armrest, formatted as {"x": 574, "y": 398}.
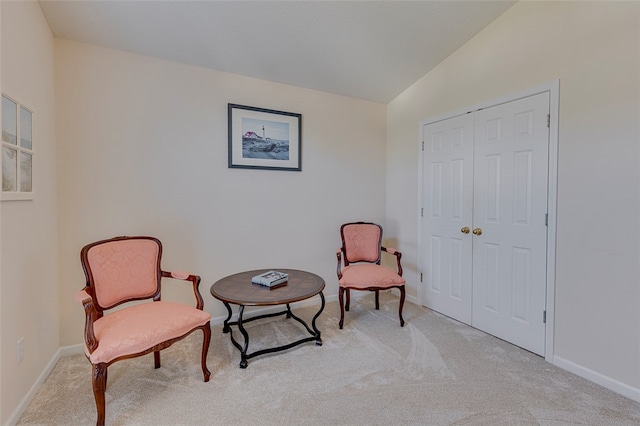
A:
{"x": 185, "y": 276}
{"x": 339, "y": 256}
{"x": 397, "y": 254}
{"x": 90, "y": 316}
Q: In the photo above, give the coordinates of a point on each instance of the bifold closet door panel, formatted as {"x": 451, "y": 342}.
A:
{"x": 511, "y": 151}
{"x": 447, "y": 216}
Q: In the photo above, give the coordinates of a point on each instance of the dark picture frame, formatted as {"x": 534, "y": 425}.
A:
{"x": 262, "y": 138}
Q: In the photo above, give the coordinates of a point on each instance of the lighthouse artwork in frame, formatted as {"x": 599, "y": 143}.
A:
{"x": 262, "y": 138}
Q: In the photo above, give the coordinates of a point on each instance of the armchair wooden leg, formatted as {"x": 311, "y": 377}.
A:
{"x": 377, "y": 300}
{"x": 401, "y": 305}
{"x": 156, "y": 359}
{"x": 206, "y": 340}
{"x": 341, "y": 302}
{"x": 99, "y": 383}
{"x": 346, "y": 306}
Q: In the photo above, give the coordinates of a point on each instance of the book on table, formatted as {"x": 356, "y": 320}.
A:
{"x": 270, "y": 278}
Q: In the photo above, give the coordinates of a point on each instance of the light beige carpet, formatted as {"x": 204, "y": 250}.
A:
{"x": 434, "y": 371}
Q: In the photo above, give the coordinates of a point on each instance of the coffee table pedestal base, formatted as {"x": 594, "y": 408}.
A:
{"x": 243, "y": 348}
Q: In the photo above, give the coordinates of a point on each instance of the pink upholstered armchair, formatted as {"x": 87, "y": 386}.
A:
{"x": 124, "y": 269}
{"x": 362, "y": 251}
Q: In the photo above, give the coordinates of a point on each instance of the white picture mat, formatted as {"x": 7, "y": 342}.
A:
{"x": 236, "y": 143}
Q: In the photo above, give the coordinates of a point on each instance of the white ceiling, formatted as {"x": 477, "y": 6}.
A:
{"x": 371, "y": 50}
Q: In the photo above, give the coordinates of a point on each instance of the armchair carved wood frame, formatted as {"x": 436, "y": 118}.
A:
{"x": 125, "y": 269}
{"x": 362, "y": 252}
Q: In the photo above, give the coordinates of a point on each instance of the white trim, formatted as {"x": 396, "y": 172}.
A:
{"x": 419, "y": 249}
{"x": 552, "y": 197}
{"x": 313, "y": 301}
{"x": 72, "y": 350}
{"x": 598, "y": 378}
{"x": 24, "y": 404}
{"x": 554, "y": 95}
{"x": 547, "y": 87}
{"x": 17, "y": 196}
{"x": 412, "y": 299}
{"x": 219, "y": 320}
{"x": 586, "y": 373}
{"x": 77, "y": 349}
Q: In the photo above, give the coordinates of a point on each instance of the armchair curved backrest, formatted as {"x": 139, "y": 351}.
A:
{"x": 122, "y": 269}
{"x": 361, "y": 242}
{"x": 126, "y": 269}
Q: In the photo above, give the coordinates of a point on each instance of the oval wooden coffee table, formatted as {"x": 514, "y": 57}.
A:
{"x": 237, "y": 289}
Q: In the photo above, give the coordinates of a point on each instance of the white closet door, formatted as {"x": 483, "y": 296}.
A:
{"x": 511, "y": 151}
{"x": 448, "y": 194}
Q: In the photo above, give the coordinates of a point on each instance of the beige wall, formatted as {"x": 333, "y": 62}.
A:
{"x": 594, "y": 49}
{"x": 29, "y": 262}
{"x": 142, "y": 149}
{"x": 142, "y": 145}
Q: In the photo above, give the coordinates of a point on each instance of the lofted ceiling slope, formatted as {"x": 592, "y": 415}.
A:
{"x": 371, "y": 50}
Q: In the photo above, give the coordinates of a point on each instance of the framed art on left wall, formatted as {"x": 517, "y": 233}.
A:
{"x": 17, "y": 151}
{"x": 262, "y": 138}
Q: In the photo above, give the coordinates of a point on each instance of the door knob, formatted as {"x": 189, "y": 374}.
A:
{"x": 465, "y": 230}
{"x": 477, "y": 231}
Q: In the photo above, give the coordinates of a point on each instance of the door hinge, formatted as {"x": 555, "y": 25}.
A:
{"x": 546, "y": 219}
{"x": 544, "y": 317}
{"x": 423, "y": 145}
{"x": 549, "y": 120}
{"x": 420, "y": 276}
{"x": 422, "y": 212}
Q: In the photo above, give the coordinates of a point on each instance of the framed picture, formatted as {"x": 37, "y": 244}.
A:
{"x": 264, "y": 139}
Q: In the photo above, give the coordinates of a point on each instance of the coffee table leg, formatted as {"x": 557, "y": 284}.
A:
{"x": 243, "y": 352}
{"x": 313, "y": 322}
{"x": 226, "y": 328}
{"x": 288, "y": 311}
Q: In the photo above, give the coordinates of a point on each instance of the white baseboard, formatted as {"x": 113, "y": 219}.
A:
{"x": 586, "y": 373}
{"x": 72, "y": 350}
{"x": 308, "y": 302}
{"x": 271, "y": 309}
{"x": 413, "y": 300}
{"x": 79, "y": 349}
{"x": 22, "y": 406}
{"x": 598, "y": 378}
